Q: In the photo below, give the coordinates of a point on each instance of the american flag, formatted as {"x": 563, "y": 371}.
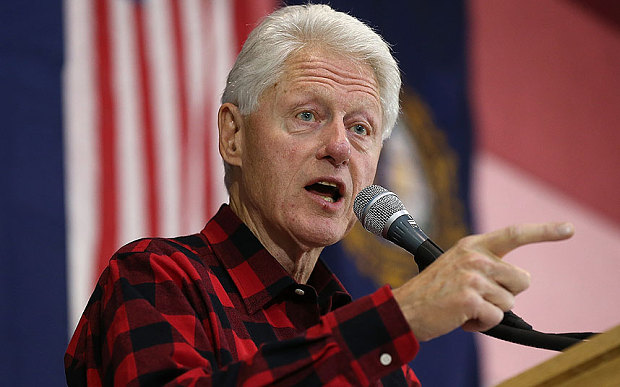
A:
{"x": 142, "y": 82}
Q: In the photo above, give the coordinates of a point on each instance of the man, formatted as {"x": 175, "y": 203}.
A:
{"x": 311, "y": 98}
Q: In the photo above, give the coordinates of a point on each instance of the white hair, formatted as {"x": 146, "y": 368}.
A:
{"x": 260, "y": 63}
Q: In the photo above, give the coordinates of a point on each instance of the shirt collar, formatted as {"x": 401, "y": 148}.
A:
{"x": 258, "y": 276}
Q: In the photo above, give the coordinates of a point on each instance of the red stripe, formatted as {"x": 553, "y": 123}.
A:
{"x": 181, "y": 74}
{"x": 247, "y": 14}
{"x": 146, "y": 115}
{"x": 107, "y": 138}
{"x": 207, "y": 15}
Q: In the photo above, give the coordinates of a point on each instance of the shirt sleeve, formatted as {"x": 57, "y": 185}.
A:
{"x": 147, "y": 324}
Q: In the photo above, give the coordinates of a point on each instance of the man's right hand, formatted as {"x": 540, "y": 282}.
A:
{"x": 470, "y": 286}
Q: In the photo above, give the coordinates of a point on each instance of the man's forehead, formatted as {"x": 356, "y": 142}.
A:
{"x": 323, "y": 70}
{"x": 329, "y": 63}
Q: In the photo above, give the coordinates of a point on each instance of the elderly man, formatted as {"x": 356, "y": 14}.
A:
{"x": 311, "y": 98}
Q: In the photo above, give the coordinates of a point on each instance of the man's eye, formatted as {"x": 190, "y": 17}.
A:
{"x": 306, "y": 116}
{"x": 360, "y": 129}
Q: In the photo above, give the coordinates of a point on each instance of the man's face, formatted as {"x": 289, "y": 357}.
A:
{"x": 310, "y": 147}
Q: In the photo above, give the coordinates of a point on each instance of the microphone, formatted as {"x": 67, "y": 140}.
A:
{"x": 382, "y": 213}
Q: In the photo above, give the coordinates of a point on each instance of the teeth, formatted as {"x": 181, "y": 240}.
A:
{"x": 328, "y": 199}
{"x": 327, "y": 184}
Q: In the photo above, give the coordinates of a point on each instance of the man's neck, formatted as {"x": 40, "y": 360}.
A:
{"x": 296, "y": 258}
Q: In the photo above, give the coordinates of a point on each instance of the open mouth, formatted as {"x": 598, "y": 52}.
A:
{"x": 326, "y": 190}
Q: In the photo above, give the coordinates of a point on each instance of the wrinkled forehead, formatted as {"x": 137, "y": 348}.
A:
{"x": 345, "y": 65}
{"x": 324, "y": 61}
{"x": 320, "y": 69}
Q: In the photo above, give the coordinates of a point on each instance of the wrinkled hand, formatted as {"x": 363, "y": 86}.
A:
{"x": 469, "y": 285}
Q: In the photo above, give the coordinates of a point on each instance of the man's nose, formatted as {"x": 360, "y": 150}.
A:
{"x": 336, "y": 146}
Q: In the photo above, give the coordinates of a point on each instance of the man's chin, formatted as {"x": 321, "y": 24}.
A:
{"x": 324, "y": 236}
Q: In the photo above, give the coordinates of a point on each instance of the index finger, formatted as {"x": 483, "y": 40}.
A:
{"x": 502, "y": 241}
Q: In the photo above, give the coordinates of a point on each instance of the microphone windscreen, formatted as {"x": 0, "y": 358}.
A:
{"x": 374, "y": 205}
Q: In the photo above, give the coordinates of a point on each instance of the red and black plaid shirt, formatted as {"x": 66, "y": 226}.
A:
{"x": 216, "y": 308}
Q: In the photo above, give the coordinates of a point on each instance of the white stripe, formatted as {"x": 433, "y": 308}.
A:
{"x": 574, "y": 282}
{"x": 129, "y": 150}
{"x": 194, "y": 209}
{"x": 225, "y": 52}
{"x": 81, "y": 155}
{"x": 165, "y": 98}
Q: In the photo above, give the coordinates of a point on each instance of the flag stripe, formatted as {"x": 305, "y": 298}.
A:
{"x": 105, "y": 124}
{"x": 196, "y": 86}
{"x": 130, "y": 155}
{"x": 81, "y": 155}
{"x": 245, "y": 13}
{"x": 181, "y": 86}
{"x": 147, "y": 120}
{"x": 208, "y": 57}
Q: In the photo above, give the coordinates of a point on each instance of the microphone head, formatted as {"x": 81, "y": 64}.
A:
{"x": 374, "y": 205}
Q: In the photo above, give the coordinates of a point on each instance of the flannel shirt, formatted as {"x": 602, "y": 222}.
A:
{"x": 215, "y": 308}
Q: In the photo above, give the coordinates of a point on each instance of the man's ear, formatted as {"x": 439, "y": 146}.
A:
{"x": 229, "y": 123}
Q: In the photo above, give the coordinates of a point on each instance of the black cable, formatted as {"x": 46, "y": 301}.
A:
{"x": 533, "y": 338}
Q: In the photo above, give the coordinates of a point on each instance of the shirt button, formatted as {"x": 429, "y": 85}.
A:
{"x": 299, "y": 292}
{"x": 385, "y": 359}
